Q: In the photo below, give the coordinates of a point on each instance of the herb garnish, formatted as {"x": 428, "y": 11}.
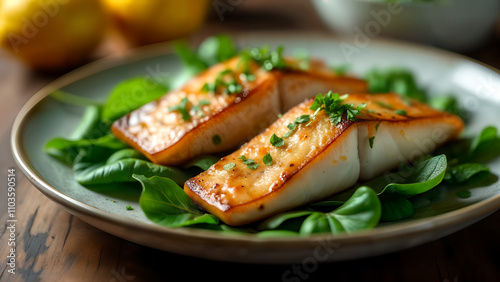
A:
{"x": 385, "y": 105}
{"x": 268, "y": 159}
{"x": 371, "y": 141}
{"x": 277, "y": 141}
{"x": 400, "y": 112}
{"x": 229, "y": 166}
{"x": 197, "y": 108}
{"x": 251, "y": 164}
{"x": 182, "y": 109}
{"x": 216, "y": 139}
{"x": 293, "y": 125}
{"x": 227, "y": 80}
{"x": 269, "y": 60}
{"x": 331, "y": 103}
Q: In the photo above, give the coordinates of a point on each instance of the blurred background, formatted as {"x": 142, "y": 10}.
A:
{"x": 54, "y": 36}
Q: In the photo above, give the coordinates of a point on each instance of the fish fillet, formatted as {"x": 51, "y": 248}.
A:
{"x": 321, "y": 159}
{"x": 223, "y": 122}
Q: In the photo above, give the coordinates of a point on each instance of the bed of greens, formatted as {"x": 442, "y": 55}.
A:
{"x": 98, "y": 158}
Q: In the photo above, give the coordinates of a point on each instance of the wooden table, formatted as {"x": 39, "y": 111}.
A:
{"x": 55, "y": 246}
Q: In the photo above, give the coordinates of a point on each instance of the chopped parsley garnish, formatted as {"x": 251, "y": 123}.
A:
{"x": 226, "y": 80}
{"x": 400, "y": 112}
{"x": 331, "y": 103}
{"x": 371, "y": 141}
{"x": 292, "y": 126}
{"x": 129, "y": 208}
{"x": 216, "y": 139}
{"x": 229, "y": 166}
{"x": 385, "y": 105}
{"x": 245, "y": 63}
{"x": 251, "y": 164}
{"x": 277, "y": 141}
{"x": 182, "y": 109}
{"x": 266, "y": 58}
{"x": 267, "y": 160}
{"x": 197, "y": 109}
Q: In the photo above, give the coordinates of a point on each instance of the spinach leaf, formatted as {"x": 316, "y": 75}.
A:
{"x": 130, "y": 95}
{"x": 448, "y": 104}
{"x": 90, "y": 121}
{"x": 192, "y": 64}
{"x": 87, "y": 170}
{"x": 395, "y": 208}
{"x": 485, "y": 146}
{"x": 216, "y": 49}
{"x": 165, "y": 203}
{"x": 125, "y": 154}
{"x": 66, "y": 150}
{"x": 71, "y": 99}
{"x": 424, "y": 176}
{"x": 463, "y": 172}
{"x": 361, "y": 211}
{"x": 275, "y": 221}
{"x": 203, "y": 162}
{"x": 396, "y": 80}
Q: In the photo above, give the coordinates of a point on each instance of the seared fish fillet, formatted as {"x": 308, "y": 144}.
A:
{"x": 217, "y": 122}
{"x": 321, "y": 159}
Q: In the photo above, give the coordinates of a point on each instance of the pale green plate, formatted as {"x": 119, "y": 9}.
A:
{"x": 43, "y": 118}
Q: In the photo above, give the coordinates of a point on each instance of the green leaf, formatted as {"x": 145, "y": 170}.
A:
{"x": 92, "y": 167}
{"x": 89, "y": 124}
{"x": 251, "y": 164}
{"x": 66, "y": 150}
{"x": 424, "y": 176}
{"x": 127, "y": 153}
{"x": 395, "y": 208}
{"x": 463, "y": 172}
{"x": 166, "y": 204}
{"x": 130, "y": 95}
{"x": 216, "y": 139}
{"x": 397, "y": 80}
{"x": 401, "y": 112}
{"x": 204, "y": 162}
{"x": 277, "y": 141}
{"x": 448, "y": 104}
{"x": 275, "y": 221}
{"x": 485, "y": 146}
{"x": 268, "y": 159}
{"x": 216, "y": 49}
{"x": 182, "y": 109}
{"x": 361, "y": 211}
{"x": 229, "y": 166}
{"x": 370, "y": 140}
{"x": 192, "y": 63}
{"x": 71, "y": 99}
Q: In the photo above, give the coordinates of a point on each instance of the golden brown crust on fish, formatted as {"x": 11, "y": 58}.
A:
{"x": 242, "y": 195}
{"x": 165, "y": 137}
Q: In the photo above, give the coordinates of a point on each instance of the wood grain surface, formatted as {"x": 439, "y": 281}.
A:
{"x": 53, "y": 245}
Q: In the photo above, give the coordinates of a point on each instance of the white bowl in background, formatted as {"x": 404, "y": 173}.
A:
{"x": 456, "y": 25}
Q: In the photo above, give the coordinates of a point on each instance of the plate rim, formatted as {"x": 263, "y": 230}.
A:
{"x": 414, "y": 227}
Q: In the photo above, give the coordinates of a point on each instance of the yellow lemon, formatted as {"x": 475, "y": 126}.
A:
{"x": 51, "y": 34}
{"x": 151, "y": 21}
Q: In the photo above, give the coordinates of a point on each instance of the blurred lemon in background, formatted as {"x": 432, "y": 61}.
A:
{"x": 151, "y": 21}
{"x": 51, "y": 34}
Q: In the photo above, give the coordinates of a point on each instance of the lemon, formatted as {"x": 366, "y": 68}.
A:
{"x": 51, "y": 34}
{"x": 151, "y": 21}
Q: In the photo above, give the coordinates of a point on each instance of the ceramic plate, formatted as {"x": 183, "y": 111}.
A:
{"x": 42, "y": 118}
